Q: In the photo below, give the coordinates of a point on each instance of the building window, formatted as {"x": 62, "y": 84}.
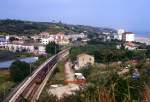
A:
{"x": 90, "y": 59}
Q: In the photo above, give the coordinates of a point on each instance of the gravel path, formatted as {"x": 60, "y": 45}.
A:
{"x": 69, "y": 89}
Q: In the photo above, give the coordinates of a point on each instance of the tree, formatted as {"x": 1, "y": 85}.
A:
{"x": 148, "y": 52}
{"x": 52, "y": 48}
{"x": 19, "y": 70}
{"x": 13, "y": 39}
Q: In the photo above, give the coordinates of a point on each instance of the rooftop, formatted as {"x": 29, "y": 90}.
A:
{"x": 28, "y": 44}
{"x": 128, "y": 33}
{"x": 83, "y": 54}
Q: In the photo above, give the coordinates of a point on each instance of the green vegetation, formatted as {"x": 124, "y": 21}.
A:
{"x": 19, "y": 27}
{"x": 106, "y": 52}
{"x": 24, "y": 55}
{"x": 58, "y": 75}
{"x": 5, "y": 83}
{"x": 5, "y": 88}
{"x": 10, "y": 78}
{"x": 52, "y": 48}
{"x": 4, "y": 76}
{"x": 19, "y": 71}
{"x": 109, "y": 86}
{"x": 57, "y": 78}
{"x": 105, "y": 85}
{"x": 103, "y": 82}
{"x": 40, "y": 60}
{"x": 148, "y": 51}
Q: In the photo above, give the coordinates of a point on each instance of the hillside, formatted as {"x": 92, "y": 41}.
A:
{"x": 19, "y": 27}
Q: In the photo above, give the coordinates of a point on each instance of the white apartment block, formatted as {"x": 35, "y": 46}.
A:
{"x": 128, "y": 37}
{"x": 29, "y": 48}
{"x": 60, "y": 39}
{"x": 45, "y": 41}
{"x": 120, "y": 34}
{"x": 41, "y": 49}
{"x": 19, "y": 47}
{"x": 76, "y": 36}
{"x": 4, "y": 40}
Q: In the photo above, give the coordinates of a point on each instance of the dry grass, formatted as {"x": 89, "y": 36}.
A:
{"x": 146, "y": 94}
{"x": 4, "y": 75}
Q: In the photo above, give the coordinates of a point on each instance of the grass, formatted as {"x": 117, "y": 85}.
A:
{"x": 23, "y": 55}
{"x": 59, "y": 75}
{"x": 41, "y": 59}
{"x": 106, "y": 86}
{"x": 4, "y": 76}
{"x": 5, "y": 83}
{"x": 103, "y": 86}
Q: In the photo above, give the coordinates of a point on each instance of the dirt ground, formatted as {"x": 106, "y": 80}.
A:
{"x": 68, "y": 89}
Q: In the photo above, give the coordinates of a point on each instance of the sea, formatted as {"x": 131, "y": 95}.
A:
{"x": 143, "y": 37}
{"x": 142, "y": 34}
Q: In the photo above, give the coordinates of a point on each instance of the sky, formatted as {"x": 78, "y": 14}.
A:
{"x": 132, "y": 15}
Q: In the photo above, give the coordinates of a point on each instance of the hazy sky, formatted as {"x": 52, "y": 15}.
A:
{"x": 133, "y": 15}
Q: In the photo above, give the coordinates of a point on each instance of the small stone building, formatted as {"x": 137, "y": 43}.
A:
{"x": 83, "y": 60}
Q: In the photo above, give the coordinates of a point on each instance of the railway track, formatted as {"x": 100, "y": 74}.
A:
{"x": 33, "y": 85}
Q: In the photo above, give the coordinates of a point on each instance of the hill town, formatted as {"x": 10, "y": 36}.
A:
{"x": 58, "y": 62}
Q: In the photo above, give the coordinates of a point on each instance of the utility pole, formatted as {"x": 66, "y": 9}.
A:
{"x": 55, "y": 49}
{"x": 4, "y": 91}
{"x": 30, "y": 67}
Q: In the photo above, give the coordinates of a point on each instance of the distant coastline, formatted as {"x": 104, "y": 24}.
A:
{"x": 142, "y": 34}
{"x": 143, "y": 37}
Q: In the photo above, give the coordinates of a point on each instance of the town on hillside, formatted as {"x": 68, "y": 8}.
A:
{"x": 36, "y": 44}
{"x": 90, "y": 65}
{"x": 74, "y": 50}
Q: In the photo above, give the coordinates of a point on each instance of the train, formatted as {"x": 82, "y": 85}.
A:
{"x": 48, "y": 66}
{"x": 33, "y": 82}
